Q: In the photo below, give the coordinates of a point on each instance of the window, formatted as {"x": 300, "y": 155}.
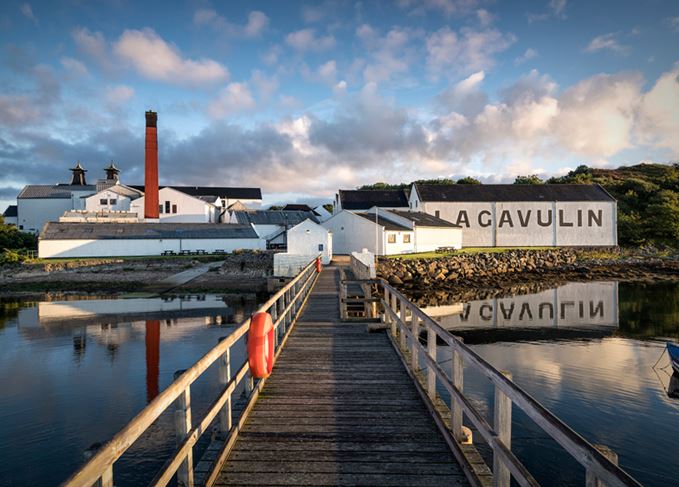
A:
{"x": 320, "y": 247}
{"x": 21, "y": 227}
{"x": 391, "y": 238}
{"x": 174, "y": 208}
{"x": 167, "y": 207}
{"x": 160, "y": 208}
{"x": 103, "y": 201}
{"x": 437, "y": 214}
{"x": 113, "y": 201}
{"x": 406, "y": 238}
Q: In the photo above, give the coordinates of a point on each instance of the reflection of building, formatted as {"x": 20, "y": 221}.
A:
{"x": 592, "y": 304}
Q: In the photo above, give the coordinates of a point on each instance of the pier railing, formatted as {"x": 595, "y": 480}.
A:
{"x": 407, "y": 324}
{"x": 284, "y": 307}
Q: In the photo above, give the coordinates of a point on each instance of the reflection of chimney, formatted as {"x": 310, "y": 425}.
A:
{"x": 151, "y": 167}
{"x": 152, "y": 358}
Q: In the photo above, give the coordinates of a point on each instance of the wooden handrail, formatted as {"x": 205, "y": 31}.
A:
{"x": 99, "y": 468}
{"x": 595, "y": 462}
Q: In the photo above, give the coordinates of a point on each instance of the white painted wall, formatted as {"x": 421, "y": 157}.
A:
{"x": 33, "y": 213}
{"x": 310, "y": 238}
{"x": 428, "y": 239}
{"x": 93, "y": 203}
{"x": 400, "y": 246}
{"x": 132, "y": 247}
{"x": 189, "y": 209}
{"x": 352, "y": 233}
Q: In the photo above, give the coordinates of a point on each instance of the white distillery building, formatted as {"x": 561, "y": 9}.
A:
{"x": 310, "y": 239}
{"x": 139, "y": 239}
{"x": 513, "y": 215}
{"x": 358, "y": 200}
{"x": 391, "y": 232}
{"x": 9, "y": 216}
{"x": 271, "y": 225}
{"x": 178, "y": 207}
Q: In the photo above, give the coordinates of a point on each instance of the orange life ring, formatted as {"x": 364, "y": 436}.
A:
{"x": 261, "y": 345}
{"x": 318, "y": 265}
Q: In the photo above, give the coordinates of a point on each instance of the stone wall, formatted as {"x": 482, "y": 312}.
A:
{"x": 471, "y": 268}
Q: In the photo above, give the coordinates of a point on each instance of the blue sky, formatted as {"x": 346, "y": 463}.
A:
{"x": 303, "y": 98}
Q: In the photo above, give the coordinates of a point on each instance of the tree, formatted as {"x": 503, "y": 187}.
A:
{"x": 663, "y": 217}
{"x": 468, "y": 180}
{"x": 382, "y": 186}
{"x": 531, "y": 179}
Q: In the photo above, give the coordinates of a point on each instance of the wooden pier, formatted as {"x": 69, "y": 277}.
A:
{"x": 339, "y": 409}
{"x": 347, "y": 407}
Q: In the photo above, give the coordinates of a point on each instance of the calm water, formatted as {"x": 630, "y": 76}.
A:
{"x": 73, "y": 373}
{"x": 586, "y": 352}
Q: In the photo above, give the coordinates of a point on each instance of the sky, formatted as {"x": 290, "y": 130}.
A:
{"x": 304, "y": 98}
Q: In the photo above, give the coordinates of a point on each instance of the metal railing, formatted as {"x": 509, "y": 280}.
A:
{"x": 284, "y": 307}
{"x": 406, "y": 322}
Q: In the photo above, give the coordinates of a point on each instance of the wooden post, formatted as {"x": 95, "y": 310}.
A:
{"x": 182, "y": 422}
{"x": 591, "y": 479}
{"x": 431, "y": 351}
{"x": 394, "y": 308}
{"x": 404, "y": 313}
{"x": 225, "y": 418}
{"x": 503, "y": 428}
{"x": 274, "y": 317}
{"x": 386, "y": 317}
{"x": 414, "y": 349}
{"x": 342, "y": 295}
{"x": 457, "y": 378}
{"x": 106, "y": 479}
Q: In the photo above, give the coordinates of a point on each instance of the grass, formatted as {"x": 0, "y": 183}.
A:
{"x": 466, "y": 250}
{"x": 203, "y": 258}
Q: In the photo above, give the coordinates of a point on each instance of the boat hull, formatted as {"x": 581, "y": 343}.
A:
{"x": 673, "y": 352}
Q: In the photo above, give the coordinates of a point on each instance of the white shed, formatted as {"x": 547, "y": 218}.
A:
{"x": 310, "y": 238}
{"x": 178, "y": 207}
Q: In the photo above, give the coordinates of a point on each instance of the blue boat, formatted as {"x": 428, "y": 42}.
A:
{"x": 673, "y": 352}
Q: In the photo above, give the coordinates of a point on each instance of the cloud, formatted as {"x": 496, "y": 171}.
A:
{"x": 472, "y": 50}
{"x": 94, "y": 45}
{"x": 659, "y": 113}
{"x": 266, "y": 85}
{"x": 254, "y": 27}
{"x": 466, "y": 97}
{"x": 74, "y": 67}
{"x": 529, "y": 54}
{"x": 446, "y": 7}
{"x": 235, "y": 98}
{"x": 606, "y": 41}
{"x": 555, "y": 9}
{"x": 118, "y": 95}
{"x": 485, "y": 17}
{"x": 271, "y": 55}
{"x": 155, "y": 59}
{"x": 27, "y": 11}
{"x": 390, "y": 55}
{"x": 306, "y": 40}
{"x": 673, "y": 22}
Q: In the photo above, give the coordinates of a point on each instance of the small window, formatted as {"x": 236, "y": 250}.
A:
{"x": 406, "y": 238}
{"x": 113, "y": 201}
{"x": 160, "y": 208}
{"x": 391, "y": 238}
{"x": 437, "y": 214}
{"x": 21, "y": 227}
{"x": 103, "y": 201}
{"x": 167, "y": 207}
{"x": 174, "y": 208}
{"x": 320, "y": 247}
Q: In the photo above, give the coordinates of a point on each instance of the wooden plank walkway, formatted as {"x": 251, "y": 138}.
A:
{"x": 339, "y": 409}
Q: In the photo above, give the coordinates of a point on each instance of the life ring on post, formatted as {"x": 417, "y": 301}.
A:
{"x": 261, "y": 345}
{"x": 318, "y": 265}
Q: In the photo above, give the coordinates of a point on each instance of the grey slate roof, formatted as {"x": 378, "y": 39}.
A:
{"x": 11, "y": 211}
{"x": 363, "y": 199}
{"x": 222, "y": 192}
{"x": 424, "y": 219}
{"x": 57, "y": 191}
{"x": 512, "y": 192}
{"x": 108, "y": 231}
{"x": 273, "y": 217}
{"x": 387, "y": 224}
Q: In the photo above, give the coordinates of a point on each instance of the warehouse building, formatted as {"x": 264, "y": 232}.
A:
{"x": 271, "y": 225}
{"x": 138, "y": 239}
{"x": 512, "y": 215}
{"x": 358, "y": 200}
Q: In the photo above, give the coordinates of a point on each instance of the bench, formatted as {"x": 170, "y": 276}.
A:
{"x": 443, "y": 250}
{"x": 168, "y": 252}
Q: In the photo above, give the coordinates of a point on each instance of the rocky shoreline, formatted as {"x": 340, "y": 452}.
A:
{"x": 465, "y": 277}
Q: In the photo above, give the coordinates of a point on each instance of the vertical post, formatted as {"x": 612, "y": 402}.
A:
{"x": 342, "y": 296}
{"x": 386, "y": 317}
{"x": 414, "y": 349}
{"x": 225, "y": 418}
{"x": 106, "y": 479}
{"x": 457, "y": 378}
{"x": 182, "y": 422}
{"x": 394, "y": 308}
{"x": 404, "y": 313}
{"x": 591, "y": 479}
{"x": 431, "y": 351}
{"x": 503, "y": 428}
{"x": 274, "y": 317}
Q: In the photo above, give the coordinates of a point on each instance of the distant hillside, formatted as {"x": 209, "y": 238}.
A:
{"x": 647, "y": 194}
{"x": 648, "y": 199}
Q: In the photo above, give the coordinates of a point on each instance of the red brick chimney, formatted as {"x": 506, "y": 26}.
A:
{"x": 151, "y": 167}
